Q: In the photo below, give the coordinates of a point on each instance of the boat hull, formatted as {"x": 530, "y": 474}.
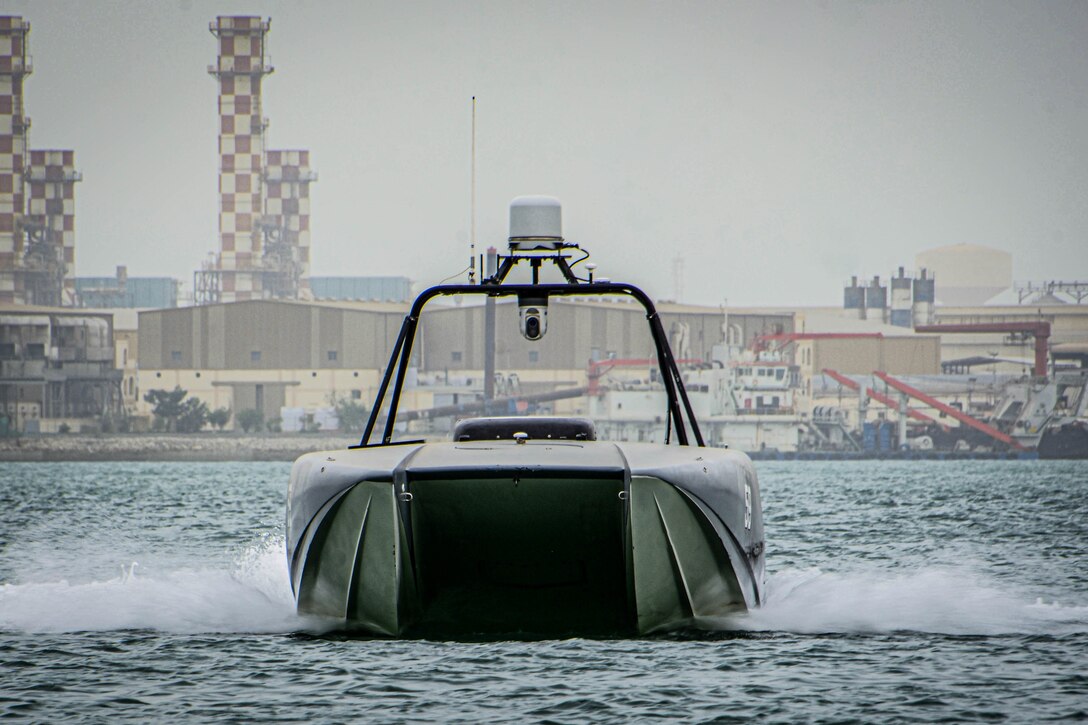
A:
{"x": 1066, "y": 439}
{"x": 499, "y": 539}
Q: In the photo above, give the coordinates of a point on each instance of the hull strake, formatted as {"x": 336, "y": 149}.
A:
{"x": 597, "y": 553}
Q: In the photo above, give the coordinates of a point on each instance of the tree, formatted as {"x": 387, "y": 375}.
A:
{"x": 352, "y": 415}
{"x": 173, "y": 413}
{"x": 167, "y": 406}
{"x": 219, "y": 417}
{"x": 194, "y": 414}
{"x": 250, "y": 419}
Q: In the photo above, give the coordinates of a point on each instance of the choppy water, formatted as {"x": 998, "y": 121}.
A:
{"x": 918, "y": 591}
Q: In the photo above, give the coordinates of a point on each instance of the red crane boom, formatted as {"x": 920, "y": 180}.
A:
{"x": 879, "y": 397}
{"x": 1039, "y": 330}
{"x": 949, "y": 411}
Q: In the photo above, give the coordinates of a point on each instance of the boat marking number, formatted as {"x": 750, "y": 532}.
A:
{"x": 747, "y": 505}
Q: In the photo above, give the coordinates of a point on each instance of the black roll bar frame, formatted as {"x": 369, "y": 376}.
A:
{"x": 675, "y": 392}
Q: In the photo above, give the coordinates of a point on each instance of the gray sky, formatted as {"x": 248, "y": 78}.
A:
{"x": 778, "y": 147}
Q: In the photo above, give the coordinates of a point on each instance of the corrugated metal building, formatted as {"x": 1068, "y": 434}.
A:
{"x": 267, "y": 335}
{"x": 1068, "y": 325}
{"x": 266, "y": 354}
{"x": 362, "y": 289}
{"x": 589, "y": 331}
{"x": 274, "y": 354}
{"x": 127, "y": 292}
{"x": 907, "y": 355}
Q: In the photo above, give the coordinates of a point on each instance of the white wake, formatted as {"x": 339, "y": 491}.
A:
{"x": 937, "y": 600}
{"x": 251, "y": 594}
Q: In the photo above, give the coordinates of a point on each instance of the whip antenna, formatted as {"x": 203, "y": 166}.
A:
{"x": 472, "y": 234}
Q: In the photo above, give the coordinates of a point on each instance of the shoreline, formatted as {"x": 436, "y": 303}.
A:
{"x": 212, "y": 447}
{"x": 217, "y": 447}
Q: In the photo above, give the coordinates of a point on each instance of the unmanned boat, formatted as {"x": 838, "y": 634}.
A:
{"x": 521, "y": 525}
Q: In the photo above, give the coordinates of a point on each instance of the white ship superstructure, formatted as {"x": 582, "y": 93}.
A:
{"x": 748, "y": 405}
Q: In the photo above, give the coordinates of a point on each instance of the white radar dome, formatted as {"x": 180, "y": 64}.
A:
{"x": 536, "y": 222}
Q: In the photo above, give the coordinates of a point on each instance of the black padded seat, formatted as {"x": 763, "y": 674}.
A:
{"x": 537, "y": 428}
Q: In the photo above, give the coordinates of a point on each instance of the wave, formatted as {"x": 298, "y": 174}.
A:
{"x": 252, "y": 594}
{"x": 957, "y": 601}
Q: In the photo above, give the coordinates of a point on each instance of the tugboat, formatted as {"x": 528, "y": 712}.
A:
{"x": 526, "y": 526}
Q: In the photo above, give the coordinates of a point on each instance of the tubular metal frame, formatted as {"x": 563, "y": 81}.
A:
{"x": 675, "y": 392}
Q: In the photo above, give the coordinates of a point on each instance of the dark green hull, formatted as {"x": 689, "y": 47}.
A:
{"x": 518, "y": 544}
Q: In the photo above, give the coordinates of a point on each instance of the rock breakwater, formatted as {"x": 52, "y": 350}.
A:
{"x": 197, "y": 447}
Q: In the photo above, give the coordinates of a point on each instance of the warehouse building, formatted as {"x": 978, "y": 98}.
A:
{"x": 267, "y": 355}
{"x": 270, "y": 355}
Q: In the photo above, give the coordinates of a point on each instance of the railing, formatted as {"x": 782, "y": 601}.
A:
{"x": 20, "y": 65}
{"x": 241, "y": 65}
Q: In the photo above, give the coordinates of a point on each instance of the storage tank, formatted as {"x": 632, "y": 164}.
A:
{"x": 853, "y": 297}
{"x": 970, "y": 274}
{"x": 901, "y": 313}
{"x": 876, "y": 300}
{"x": 924, "y": 288}
{"x": 884, "y": 436}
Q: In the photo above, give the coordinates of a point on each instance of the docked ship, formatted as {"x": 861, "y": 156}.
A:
{"x": 1048, "y": 415}
{"x": 750, "y": 403}
{"x": 1039, "y": 416}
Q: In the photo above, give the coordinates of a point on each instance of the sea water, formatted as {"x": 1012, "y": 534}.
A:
{"x": 898, "y": 592}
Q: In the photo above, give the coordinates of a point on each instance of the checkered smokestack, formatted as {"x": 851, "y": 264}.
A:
{"x": 37, "y": 235}
{"x": 14, "y": 67}
{"x": 240, "y": 67}
{"x": 286, "y": 222}
{"x": 51, "y": 222}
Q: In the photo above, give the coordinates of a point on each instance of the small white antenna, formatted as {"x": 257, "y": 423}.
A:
{"x": 472, "y": 237}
